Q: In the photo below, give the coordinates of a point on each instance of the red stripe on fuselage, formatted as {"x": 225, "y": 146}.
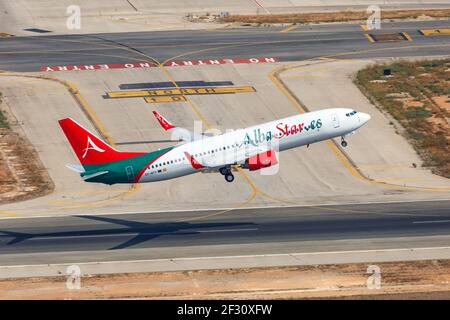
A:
{"x": 193, "y": 162}
{"x": 141, "y": 172}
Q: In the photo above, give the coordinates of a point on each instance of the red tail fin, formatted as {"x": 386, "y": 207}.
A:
{"x": 88, "y": 147}
{"x": 163, "y": 122}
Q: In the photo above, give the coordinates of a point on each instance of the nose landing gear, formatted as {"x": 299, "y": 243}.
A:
{"x": 343, "y": 142}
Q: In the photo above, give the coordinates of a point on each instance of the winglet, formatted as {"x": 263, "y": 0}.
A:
{"x": 193, "y": 162}
{"x": 163, "y": 122}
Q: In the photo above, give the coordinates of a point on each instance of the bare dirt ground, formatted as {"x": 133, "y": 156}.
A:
{"x": 340, "y": 16}
{"x": 398, "y": 280}
{"x": 417, "y": 95}
{"x": 22, "y": 175}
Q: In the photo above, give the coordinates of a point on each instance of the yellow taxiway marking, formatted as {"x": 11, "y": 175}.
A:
{"x": 239, "y": 206}
{"x": 365, "y": 27}
{"x": 102, "y": 130}
{"x": 165, "y": 99}
{"x": 5, "y": 35}
{"x": 407, "y": 36}
{"x": 217, "y": 46}
{"x": 388, "y": 37}
{"x": 73, "y": 204}
{"x": 384, "y": 167}
{"x": 290, "y": 28}
{"x": 369, "y": 37}
{"x": 255, "y": 190}
{"x": 336, "y": 150}
{"x": 435, "y": 32}
{"x": 8, "y": 213}
{"x": 82, "y": 102}
{"x": 401, "y": 179}
{"x": 284, "y": 90}
{"x": 304, "y": 76}
{"x": 349, "y": 53}
{"x": 194, "y": 108}
{"x": 178, "y": 91}
{"x": 89, "y": 193}
{"x": 196, "y": 111}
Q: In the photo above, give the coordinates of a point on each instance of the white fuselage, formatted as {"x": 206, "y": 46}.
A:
{"x": 238, "y": 145}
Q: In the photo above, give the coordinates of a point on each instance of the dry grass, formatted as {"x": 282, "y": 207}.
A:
{"x": 418, "y": 96}
{"x": 21, "y": 173}
{"x": 3, "y": 121}
{"x": 315, "y": 17}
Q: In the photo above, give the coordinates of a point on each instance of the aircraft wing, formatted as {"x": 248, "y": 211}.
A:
{"x": 178, "y": 133}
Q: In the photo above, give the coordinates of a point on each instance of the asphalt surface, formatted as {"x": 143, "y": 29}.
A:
{"x": 240, "y": 231}
{"x": 303, "y": 42}
{"x": 296, "y": 227}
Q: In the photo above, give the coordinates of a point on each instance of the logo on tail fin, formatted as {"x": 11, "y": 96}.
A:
{"x": 91, "y": 146}
{"x": 163, "y": 122}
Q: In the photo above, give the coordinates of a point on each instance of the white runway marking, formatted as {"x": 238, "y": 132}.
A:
{"x": 432, "y": 221}
{"x": 227, "y": 208}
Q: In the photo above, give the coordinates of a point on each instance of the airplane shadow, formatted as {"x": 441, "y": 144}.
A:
{"x": 140, "y": 231}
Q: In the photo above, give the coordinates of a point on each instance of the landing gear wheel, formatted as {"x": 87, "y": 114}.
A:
{"x": 223, "y": 171}
{"x": 229, "y": 177}
{"x": 343, "y": 142}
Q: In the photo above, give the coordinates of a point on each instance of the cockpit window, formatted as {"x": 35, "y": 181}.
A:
{"x": 351, "y": 113}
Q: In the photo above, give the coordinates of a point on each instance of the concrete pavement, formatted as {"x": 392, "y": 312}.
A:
{"x": 105, "y": 16}
{"x": 380, "y": 152}
{"x": 308, "y": 176}
{"x": 306, "y": 42}
{"x": 243, "y": 238}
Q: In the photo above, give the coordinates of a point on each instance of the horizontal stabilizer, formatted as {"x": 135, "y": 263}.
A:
{"x": 75, "y": 167}
{"x": 93, "y": 175}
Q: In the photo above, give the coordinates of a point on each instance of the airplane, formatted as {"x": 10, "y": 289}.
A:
{"x": 252, "y": 148}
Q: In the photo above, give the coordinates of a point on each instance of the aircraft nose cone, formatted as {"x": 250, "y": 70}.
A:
{"x": 364, "y": 117}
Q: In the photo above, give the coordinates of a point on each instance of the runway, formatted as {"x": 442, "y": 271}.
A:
{"x": 304, "y": 42}
{"x": 171, "y": 235}
{"x": 80, "y": 238}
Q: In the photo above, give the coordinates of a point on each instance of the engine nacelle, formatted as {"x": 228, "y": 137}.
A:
{"x": 261, "y": 160}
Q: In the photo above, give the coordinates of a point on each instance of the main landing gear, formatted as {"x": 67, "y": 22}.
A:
{"x": 226, "y": 172}
{"x": 343, "y": 142}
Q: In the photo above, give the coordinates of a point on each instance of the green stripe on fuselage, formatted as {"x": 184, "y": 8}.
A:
{"x": 122, "y": 171}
